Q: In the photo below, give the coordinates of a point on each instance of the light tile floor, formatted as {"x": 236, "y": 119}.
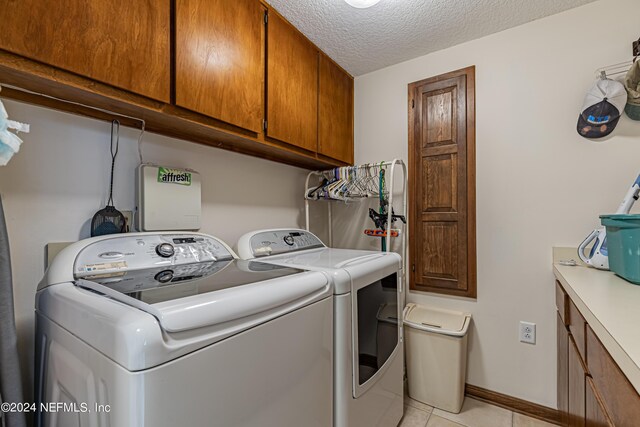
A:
{"x": 474, "y": 414}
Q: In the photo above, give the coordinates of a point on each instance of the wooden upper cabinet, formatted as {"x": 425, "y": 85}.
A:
{"x": 335, "y": 112}
{"x": 292, "y": 85}
{"x": 122, "y": 43}
{"x": 442, "y": 184}
{"x": 220, "y": 60}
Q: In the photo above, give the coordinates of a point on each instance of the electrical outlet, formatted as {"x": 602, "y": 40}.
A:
{"x": 528, "y": 332}
{"x": 129, "y": 216}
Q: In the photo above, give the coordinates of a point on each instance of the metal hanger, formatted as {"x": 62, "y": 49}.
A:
{"x": 620, "y": 68}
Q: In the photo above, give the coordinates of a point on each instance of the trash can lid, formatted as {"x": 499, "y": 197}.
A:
{"x": 440, "y": 321}
{"x": 388, "y": 312}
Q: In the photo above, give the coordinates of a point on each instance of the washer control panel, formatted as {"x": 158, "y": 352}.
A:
{"x": 274, "y": 242}
{"x": 121, "y": 253}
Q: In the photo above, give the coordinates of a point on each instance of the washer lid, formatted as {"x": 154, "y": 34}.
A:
{"x": 210, "y": 293}
{"x": 167, "y": 283}
{"x": 326, "y": 258}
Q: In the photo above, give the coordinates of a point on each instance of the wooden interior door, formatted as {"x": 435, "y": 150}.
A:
{"x": 123, "y": 43}
{"x": 442, "y": 183}
{"x": 292, "y": 85}
{"x": 220, "y": 60}
{"x": 335, "y": 112}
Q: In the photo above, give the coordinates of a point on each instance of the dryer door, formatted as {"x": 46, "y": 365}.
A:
{"x": 376, "y": 330}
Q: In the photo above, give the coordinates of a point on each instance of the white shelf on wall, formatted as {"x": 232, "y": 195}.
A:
{"x": 356, "y": 172}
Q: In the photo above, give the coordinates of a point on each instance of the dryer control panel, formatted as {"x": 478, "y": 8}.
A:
{"x": 274, "y": 242}
{"x": 114, "y": 256}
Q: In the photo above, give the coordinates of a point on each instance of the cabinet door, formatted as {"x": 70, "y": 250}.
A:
{"x": 596, "y": 414}
{"x": 577, "y": 327}
{"x": 335, "y": 114}
{"x": 123, "y": 43}
{"x": 442, "y": 219}
{"x": 292, "y": 85}
{"x": 220, "y": 61}
{"x": 563, "y": 371}
{"x": 576, "y": 402}
{"x": 617, "y": 393}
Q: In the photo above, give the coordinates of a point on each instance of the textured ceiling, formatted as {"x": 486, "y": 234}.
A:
{"x": 392, "y": 31}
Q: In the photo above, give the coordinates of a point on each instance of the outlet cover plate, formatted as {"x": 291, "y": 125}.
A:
{"x": 528, "y": 332}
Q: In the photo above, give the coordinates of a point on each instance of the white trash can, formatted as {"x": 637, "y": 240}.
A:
{"x": 436, "y": 354}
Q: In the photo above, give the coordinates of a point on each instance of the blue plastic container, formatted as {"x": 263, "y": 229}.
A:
{"x": 623, "y": 243}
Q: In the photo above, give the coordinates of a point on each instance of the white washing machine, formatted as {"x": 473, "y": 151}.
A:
{"x": 171, "y": 329}
{"x": 368, "y": 366}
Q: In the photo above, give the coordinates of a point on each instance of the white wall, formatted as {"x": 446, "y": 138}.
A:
{"x": 539, "y": 184}
{"x": 60, "y": 178}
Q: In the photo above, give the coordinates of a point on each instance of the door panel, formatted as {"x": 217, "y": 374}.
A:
{"x": 442, "y": 184}
{"x": 220, "y": 60}
{"x": 440, "y": 257}
{"x": 292, "y": 85}
{"x": 439, "y": 121}
{"x": 335, "y": 112}
{"x": 120, "y": 42}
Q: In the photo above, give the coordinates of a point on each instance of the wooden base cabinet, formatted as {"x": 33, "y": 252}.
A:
{"x": 592, "y": 390}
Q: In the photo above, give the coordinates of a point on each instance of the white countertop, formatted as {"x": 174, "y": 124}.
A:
{"x": 611, "y": 307}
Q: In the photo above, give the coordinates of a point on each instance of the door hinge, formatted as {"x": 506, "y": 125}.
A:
{"x": 413, "y": 268}
{"x": 266, "y": 17}
{"x": 413, "y": 103}
{"x": 264, "y": 125}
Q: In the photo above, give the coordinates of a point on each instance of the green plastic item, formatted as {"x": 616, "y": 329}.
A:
{"x": 623, "y": 245}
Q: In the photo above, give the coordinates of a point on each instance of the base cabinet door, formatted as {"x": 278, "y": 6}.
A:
{"x": 577, "y": 381}
{"x": 563, "y": 371}
{"x": 617, "y": 394}
{"x": 596, "y": 413}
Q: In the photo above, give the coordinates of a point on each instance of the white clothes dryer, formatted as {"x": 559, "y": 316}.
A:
{"x": 369, "y": 355}
{"x": 171, "y": 329}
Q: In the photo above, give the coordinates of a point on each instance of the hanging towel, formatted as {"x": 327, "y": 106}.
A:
{"x": 10, "y": 382}
{"x": 632, "y": 84}
{"x": 9, "y": 142}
